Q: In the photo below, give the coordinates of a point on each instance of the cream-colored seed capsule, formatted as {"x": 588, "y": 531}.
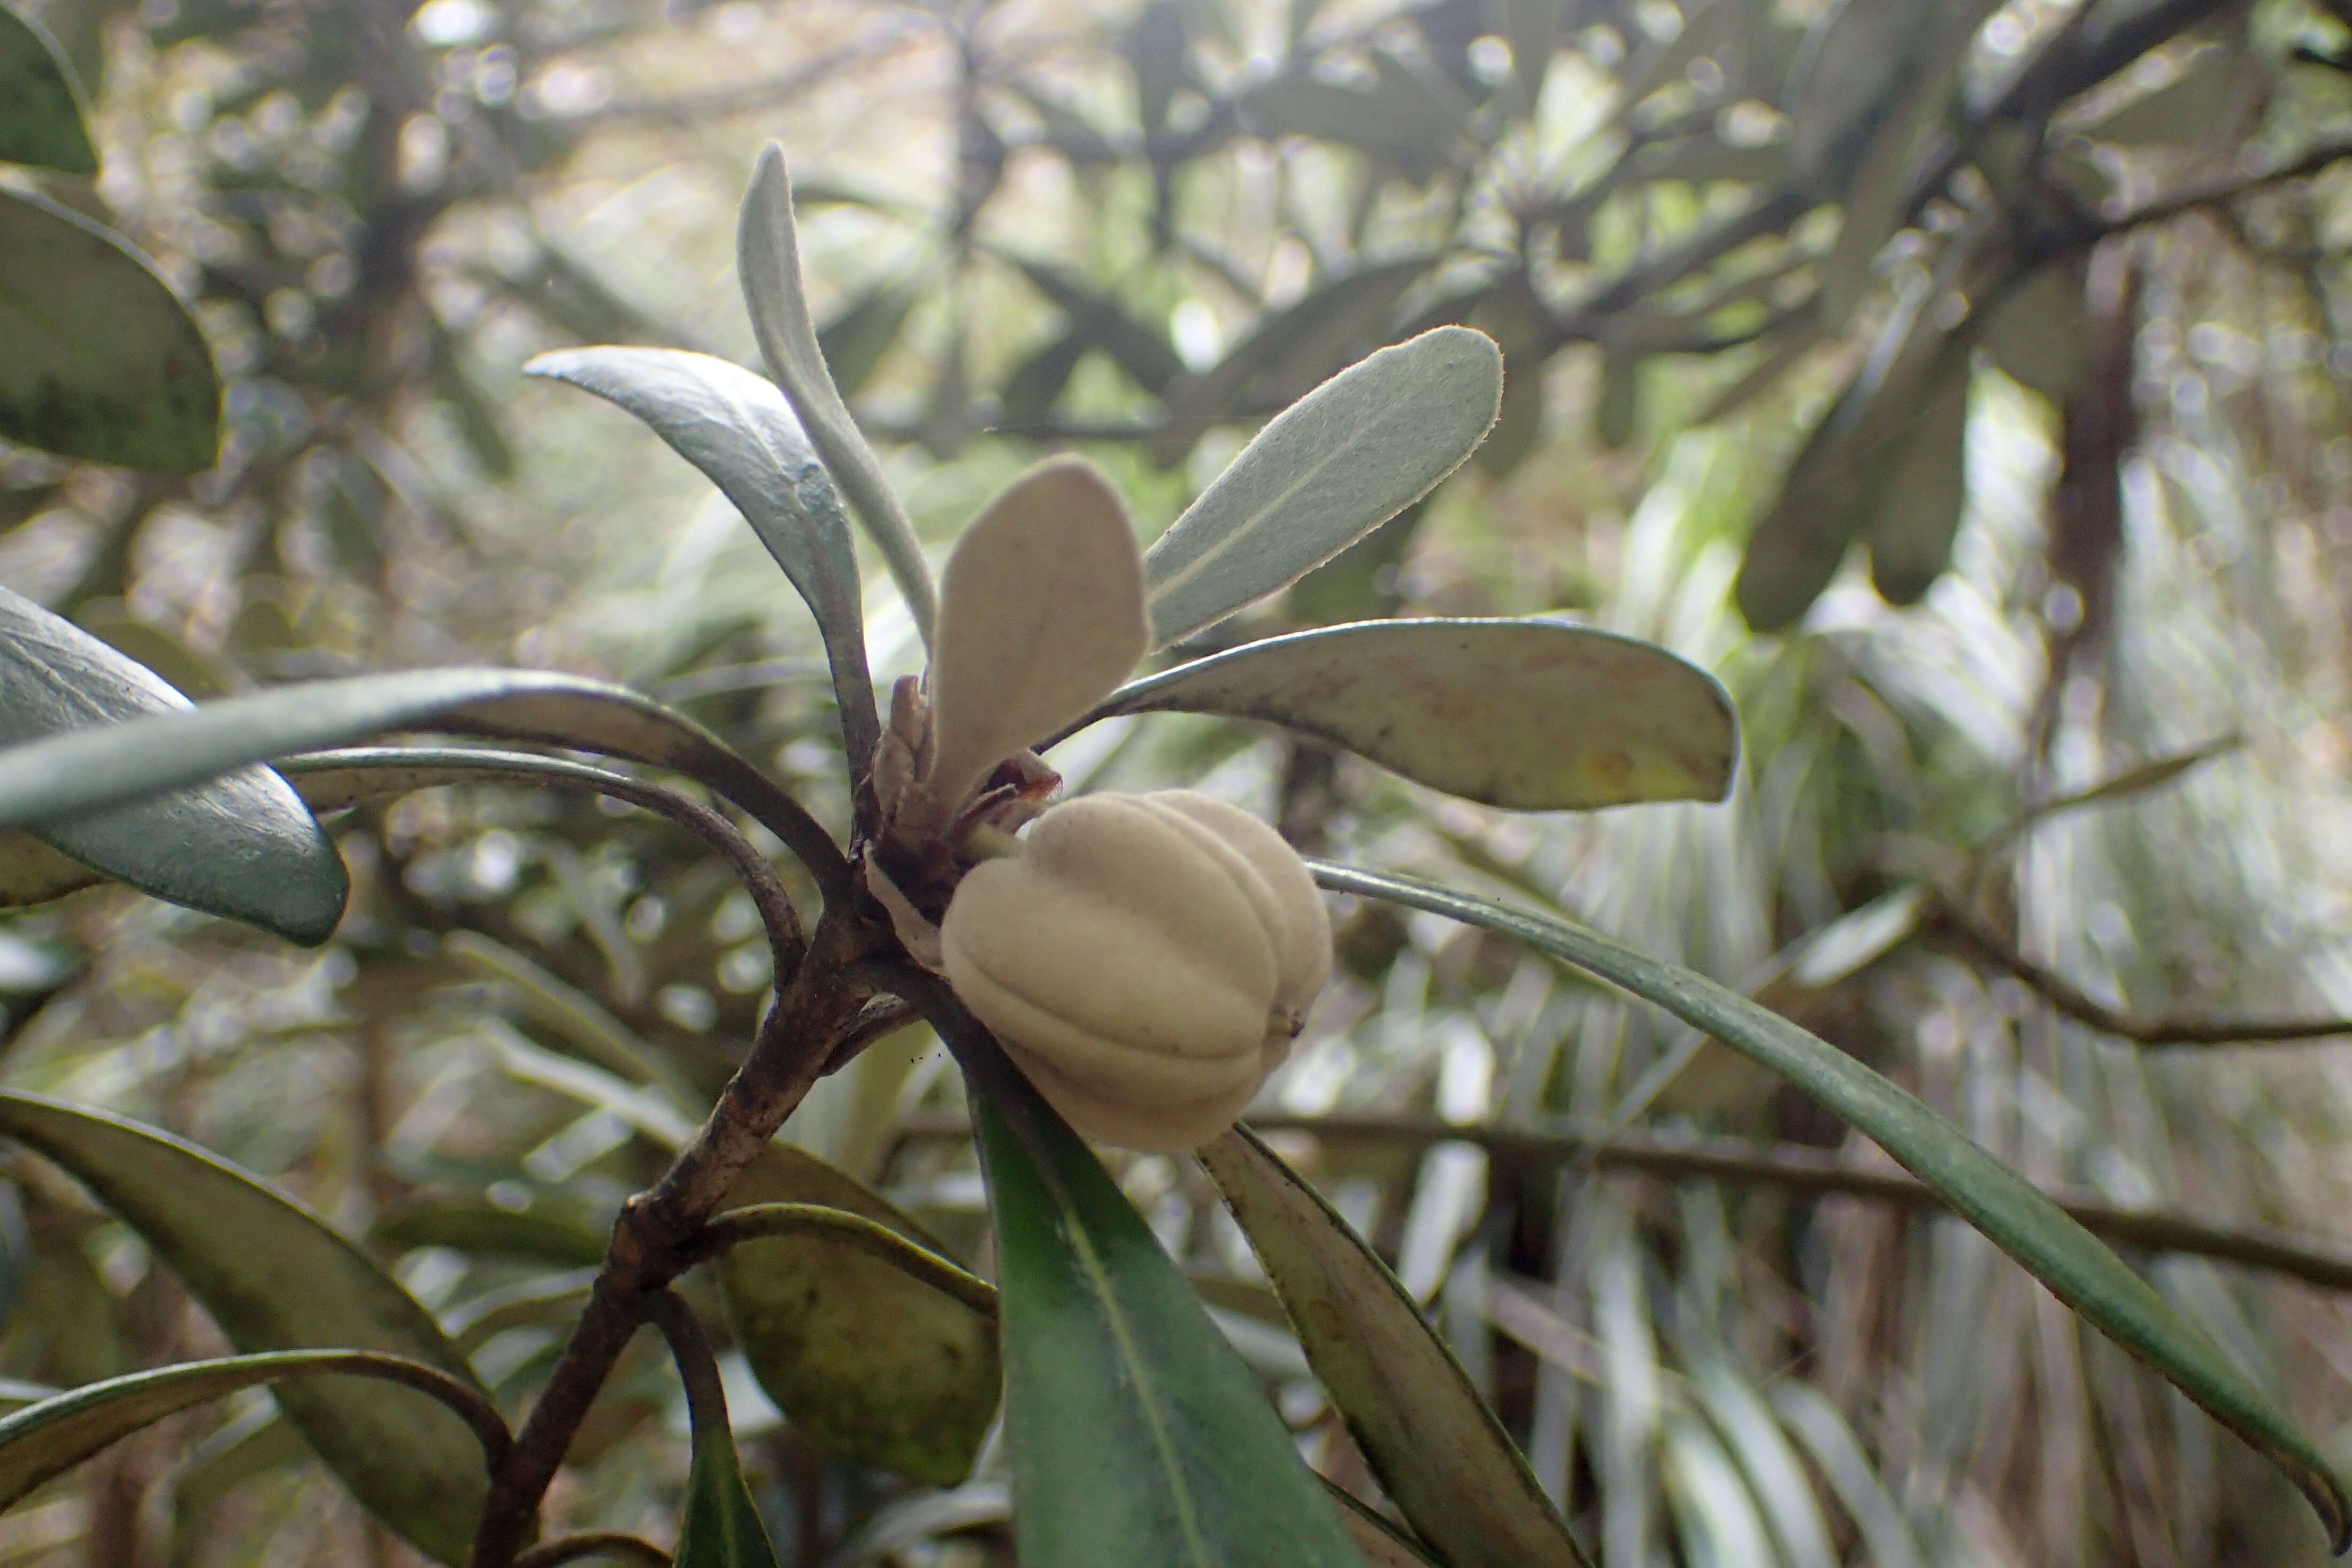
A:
{"x": 1147, "y": 959}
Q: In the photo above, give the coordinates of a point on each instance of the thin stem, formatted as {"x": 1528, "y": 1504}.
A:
{"x": 819, "y": 1006}
{"x": 1799, "y": 1169}
{"x": 697, "y": 1368}
{"x": 786, "y": 940}
{"x": 1981, "y": 942}
{"x": 766, "y": 1222}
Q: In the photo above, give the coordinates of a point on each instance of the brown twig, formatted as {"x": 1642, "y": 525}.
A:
{"x": 650, "y": 1245}
{"x": 1985, "y": 946}
{"x": 1798, "y": 1169}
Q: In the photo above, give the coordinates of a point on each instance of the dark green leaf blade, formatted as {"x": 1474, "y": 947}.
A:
{"x": 1138, "y": 1437}
{"x": 242, "y": 846}
{"x": 42, "y": 118}
{"x": 741, "y": 433}
{"x": 722, "y": 1527}
{"x": 1439, "y": 1453}
{"x": 2016, "y": 1216}
{"x": 869, "y": 1361}
{"x": 99, "y": 359}
{"x": 1916, "y": 510}
{"x": 273, "y": 1278}
{"x": 42, "y": 1441}
{"x": 1327, "y": 470}
{"x": 1532, "y": 715}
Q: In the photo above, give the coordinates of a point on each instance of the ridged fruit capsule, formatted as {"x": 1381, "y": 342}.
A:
{"x": 1146, "y": 959}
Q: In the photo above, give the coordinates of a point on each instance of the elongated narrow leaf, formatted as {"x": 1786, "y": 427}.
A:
{"x": 92, "y": 770}
{"x": 1327, "y": 470}
{"x": 1138, "y": 1437}
{"x": 2055, "y": 1249}
{"x": 1042, "y": 616}
{"x": 740, "y": 432}
{"x": 43, "y": 1441}
{"x": 722, "y": 1527}
{"x": 99, "y": 359}
{"x": 1530, "y": 715}
{"x": 768, "y": 258}
{"x": 242, "y": 846}
{"x": 1441, "y": 1455}
{"x": 42, "y": 122}
{"x": 1382, "y": 1544}
{"x": 863, "y": 1357}
{"x": 275, "y": 1279}
{"x": 1915, "y": 507}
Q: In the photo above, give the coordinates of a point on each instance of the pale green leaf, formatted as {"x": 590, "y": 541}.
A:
{"x": 99, "y": 359}
{"x": 768, "y": 258}
{"x": 1042, "y": 616}
{"x": 1137, "y": 1436}
{"x": 43, "y": 121}
{"x": 2016, "y": 1216}
{"x": 1532, "y": 715}
{"x": 42, "y": 1441}
{"x": 740, "y": 432}
{"x": 273, "y": 1278}
{"x": 2039, "y": 331}
{"x": 871, "y": 1361}
{"x": 242, "y": 846}
{"x": 1441, "y": 1455}
{"x": 1327, "y": 470}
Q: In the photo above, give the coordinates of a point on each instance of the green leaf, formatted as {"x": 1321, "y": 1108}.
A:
{"x": 1441, "y": 1455}
{"x": 99, "y": 359}
{"x": 768, "y": 258}
{"x": 722, "y": 1527}
{"x": 242, "y": 845}
{"x": 864, "y": 1358}
{"x": 1920, "y": 491}
{"x": 1327, "y": 470}
{"x": 1841, "y": 474}
{"x": 1289, "y": 352}
{"x": 2015, "y": 1216}
{"x": 273, "y": 1278}
{"x": 2039, "y": 331}
{"x": 43, "y": 121}
{"x": 43, "y": 1441}
{"x": 738, "y": 429}
{"x": 1532, "y": 715}
{"x": 854, "y": 342}
{"x": 1137, "y": 1436}
{"x": 1097, "y": 318}
{"x": 92, "y": 770}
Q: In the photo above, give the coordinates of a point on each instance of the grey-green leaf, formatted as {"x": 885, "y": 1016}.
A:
{"x": 242, "y": 846}
{"x": 1441, "y": 1455}
{"x": 42, "y": 118}
{"x": 99, "y": 359}
{"x": 1532, "y": 715}
{"x": 1327, "y": 470}
{"x": 42, "y": 1441}
{"x": 740, "y": 432}
{"x": 2016, "y": 1217}
{"x": 1138, "y": 1437}
{"x": 863, "y": 1357}
{"x": 273, "y": 1278}
{"x": 768, "y": 258}
{"x": 89, "y": 770}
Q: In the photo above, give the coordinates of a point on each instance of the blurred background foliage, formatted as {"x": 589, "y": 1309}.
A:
{"x": 1965, "y": 383}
